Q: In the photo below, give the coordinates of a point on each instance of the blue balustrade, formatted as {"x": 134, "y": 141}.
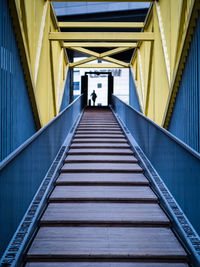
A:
{"x": 22, "y": 172}
{"x": 176, "y": 163}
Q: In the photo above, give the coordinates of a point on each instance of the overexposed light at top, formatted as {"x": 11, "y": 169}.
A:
{"x": 72, "y": 8}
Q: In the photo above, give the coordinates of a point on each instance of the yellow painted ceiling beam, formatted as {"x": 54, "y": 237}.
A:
{"x": 101, "y": 65}
{"x": 101, "y": 36}
{"x": 101, "y": 25}
{"x": 101, "y": 44}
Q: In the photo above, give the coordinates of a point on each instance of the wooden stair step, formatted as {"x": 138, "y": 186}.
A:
{"x": 103, "y": 193}
{"x": 85, "y": 121}
{"x": 105, "y": 264}
{"x": 105, "y": 213}
{"x": 99, "y": 140}
{"x": 100, "y": 151}
{"x": 97, "y": 132}
{"x": 82, "y": 123}
{"x": 100, "y": 158}
{"x": 102, "y": 136}
{"x": 103, "y": 167}
{"x": 105, "y": 242}
{"x": 79, "y": 129}
{"x": 100, "y": 145}
{"x": 102, "y": 178}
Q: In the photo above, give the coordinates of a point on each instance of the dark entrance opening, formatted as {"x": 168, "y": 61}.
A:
{"x": 84, "y": 86}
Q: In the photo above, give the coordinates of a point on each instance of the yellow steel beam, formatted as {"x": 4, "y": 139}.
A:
{"x": 101, "y": 65}
{"x": 80, "y": 25}
{"x": 80, "y": 62}
{"x": 184, "y": 46}
{"x": 101, "y": 36}
{"x": 41, "y": 37}
{"x": 23, "y": 46}
{"x": 164, "y": 43}
{"x": 101, "y": 44}
{"x": 150, "y": 68}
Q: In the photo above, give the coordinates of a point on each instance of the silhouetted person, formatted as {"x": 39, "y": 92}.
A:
{"x": 94, "y": 96}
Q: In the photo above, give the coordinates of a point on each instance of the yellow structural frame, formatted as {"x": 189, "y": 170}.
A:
{"x": 45, "y": 63}
{"x": 156, "y": 65}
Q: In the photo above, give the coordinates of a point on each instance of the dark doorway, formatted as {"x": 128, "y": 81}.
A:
{"x": 84, "y": 86}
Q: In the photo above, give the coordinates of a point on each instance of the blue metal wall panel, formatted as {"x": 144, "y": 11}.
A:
{"x": 22, "y": 172}
{"x": 66, "y": 98}
{"x": 17, "y": 122}
{"x": 176, "y": 163}
{"x": 185, "y": 118}
{"x": 133, "y": 97}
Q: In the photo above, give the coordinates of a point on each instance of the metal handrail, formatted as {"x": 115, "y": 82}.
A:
{"x": 176, "y": 139}
{"x": 19, "y": 149}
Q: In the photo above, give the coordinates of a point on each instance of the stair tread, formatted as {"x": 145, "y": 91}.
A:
{"x": 102, "y": 177}
{"x": 78, "y": 136}
{"x": 132, "y": 193}
{"x": 90, "y": 145}
{"x": 103, "y": 158}
{"x": 112, "y": 242}
{"x": 102, "y": 211}
{"x": 101, "y": 151}
{"x": 103, "y": 132}
{"x": 105, "y": 212}
{"x": 105, "y": 264}
{"x": 101, "y": 140}
{"x": 124, "y": 167}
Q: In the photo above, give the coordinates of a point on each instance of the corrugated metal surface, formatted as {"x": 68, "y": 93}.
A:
{"x": 17, "y": 123}
{"x": 185, "y": 120}
{"x": 133, "y": 98}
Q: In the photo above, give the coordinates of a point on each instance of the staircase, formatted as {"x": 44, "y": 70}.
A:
{"x": 102, "y": 211}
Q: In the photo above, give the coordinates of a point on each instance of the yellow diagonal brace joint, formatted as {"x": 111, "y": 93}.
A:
{"x": 75, "y": 64}
{"x": 116, "y": 61}
{"x": 114, "y": 51}
{"x": 85, "y": 51}
{"x": 101, "y": 65}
